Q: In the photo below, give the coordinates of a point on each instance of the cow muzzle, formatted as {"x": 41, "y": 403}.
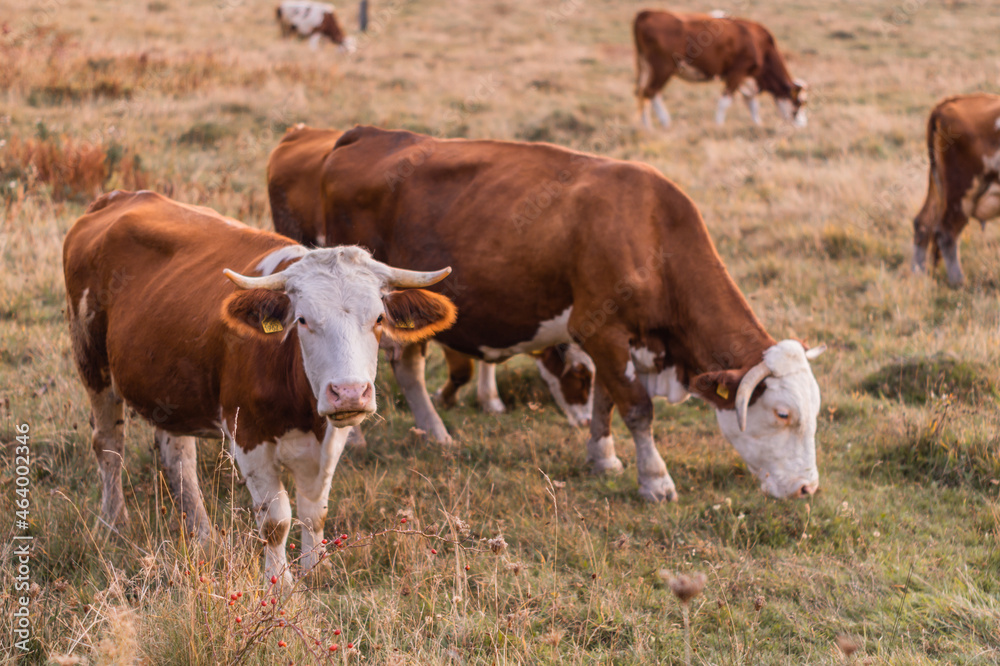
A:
{"x": 347, "y": 404}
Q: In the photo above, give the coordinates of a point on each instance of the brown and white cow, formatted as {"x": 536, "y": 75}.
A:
{"x": 314, "y": 20}
{"x": 702, "y": 47}
{"x": 963, "y": 144}
{"x": 294, "y": 176}
{"x": 280, "y": 357}
{"x": 552, "y": 246}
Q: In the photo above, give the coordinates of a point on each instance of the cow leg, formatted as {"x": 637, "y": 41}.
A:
{"x": 921, "y": 239}
{"x": 271, "y": 506}
{"x": 409, "y": 371}
{"x": 661, "y": 111}
{"x": 486, "y": 389}
{"x": 109, "y": 447}
{"x": 460, "y": 369}
{"x": 725, "y": 102}
{"x": 601, "y": 447}
{"x": 611, "y": 356}
{"x": 314, "y": 41}
{"x": 312, "y": 464}
{"x": 754, "y": 105}
{"x": 947, "y": 244}
{"x": 180, "y": 460}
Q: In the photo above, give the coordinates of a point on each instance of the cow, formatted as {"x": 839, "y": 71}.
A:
{"x": 294, "y": 173}
{"x": 701, "y": 47}
{"x": 314, "y": 20}
{"x": 551, "y": 246}
{"x": 566, "y": 370}
{"x": 963, "y": 145}
{"x": 279, "y": 358}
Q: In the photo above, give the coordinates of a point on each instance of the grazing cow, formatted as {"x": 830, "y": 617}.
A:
{"x": 280, "y": 357}
{"x": 963, "y": 144}
{"x": 314, "y": 20}
{"x": 552, "y": 246}
{"x": 700, "y": 47}
{"x": 565, "y": 368}
{"x": 294, "y": 175}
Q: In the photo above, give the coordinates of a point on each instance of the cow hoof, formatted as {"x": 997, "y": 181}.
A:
{"x": 610, "y": 465}
{"x": 493, "y": 406}
{"x": 659, "y": 489}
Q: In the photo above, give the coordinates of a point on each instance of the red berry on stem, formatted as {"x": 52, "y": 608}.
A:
{"x": 333, "y": 648}
{"x": 273, "y": 601}
{"x": 433, "y": 552}
{"x": 350, "y": 645}
{"x": 336, "y": 632}
{"x": 403, "y": 520}
{"x": 282, "y": 643}
{"x": 274, "y": 580}
{"x": 238, "y": 619}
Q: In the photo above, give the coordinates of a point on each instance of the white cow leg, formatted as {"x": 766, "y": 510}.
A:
{"x": 754, "y": 105}
{"x": 661, "y": 111}
{"x": 409, "y": 371}
{"x": 109, "y": 447}
{"x": 271, "y": 506}
{"x": 486, "y": 389}
{"x": 725, "y": 102}
{"x": 314, "y": 41}
{"x": 655, "y": 483}
{"x": 949, "y": 252}
{"x": 180, "y": 461}
{"x": 644, "y": 113}
{"x": 312, "y": 464}
{"x": 601, "y": 447}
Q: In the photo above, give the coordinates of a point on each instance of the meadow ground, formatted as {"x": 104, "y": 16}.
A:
{"x": 897, "y": 555}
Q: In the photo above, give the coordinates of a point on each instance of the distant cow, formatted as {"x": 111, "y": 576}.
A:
{"x": 551, "y": 246}
{"x": 314, "y": 20}
{"x": 295, "y": 171}
{"x": 701, "y": 47}
{"x": 280, "y": 357}
{"x": 963, "y": 144}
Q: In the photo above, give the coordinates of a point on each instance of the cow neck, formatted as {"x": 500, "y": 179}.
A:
{"x": 715, "y": 328}
{"x": 774, "y": 77}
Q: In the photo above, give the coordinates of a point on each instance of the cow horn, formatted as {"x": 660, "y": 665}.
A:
{"x": 814, "y": 352}
{"x": 404, "y": 279}
{"x": 755, "y": 376}
{"x": 274, "y": 282}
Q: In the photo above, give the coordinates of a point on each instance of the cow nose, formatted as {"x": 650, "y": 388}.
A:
{"x": 349, "y": 397}
{"x": 807, "y": 490}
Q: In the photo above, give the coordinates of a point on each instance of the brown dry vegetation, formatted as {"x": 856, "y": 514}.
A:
{"x": 899, "y": 551}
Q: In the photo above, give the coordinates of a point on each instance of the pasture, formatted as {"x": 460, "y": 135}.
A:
{"x": 896, "y": 559}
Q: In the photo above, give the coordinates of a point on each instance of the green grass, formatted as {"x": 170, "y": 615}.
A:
{"x": 900, "y": 549}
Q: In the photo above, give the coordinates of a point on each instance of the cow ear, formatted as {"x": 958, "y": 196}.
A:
{"x": 261, "y": 311}
{"x": 718, "y": 387}
{"x": 413, "y": 315}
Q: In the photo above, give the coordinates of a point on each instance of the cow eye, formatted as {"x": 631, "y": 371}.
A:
{"x": 301, "y": 321}
{"x": 781, "y": 414}
{"x": 380, "y": 318}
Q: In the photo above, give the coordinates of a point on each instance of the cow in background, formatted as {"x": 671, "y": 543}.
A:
{"x": 702, "y": 47}
{"x": 963, "y": 145}
{"x": 314, "y": 20}
{"x": 618, "y": 261}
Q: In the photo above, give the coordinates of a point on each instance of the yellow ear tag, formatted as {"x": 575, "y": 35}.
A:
{"x": 406, "y": 324}
{"x": 722, "y": 391}
{"x": 271, "y": 325}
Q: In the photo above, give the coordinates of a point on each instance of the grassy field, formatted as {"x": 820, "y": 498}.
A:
{"x": 898, "y": 556}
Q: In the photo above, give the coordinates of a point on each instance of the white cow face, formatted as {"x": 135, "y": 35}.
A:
{"x": 339, "y": 302}
{"x": 778, "y": 442}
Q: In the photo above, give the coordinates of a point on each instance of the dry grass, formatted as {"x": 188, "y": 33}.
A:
{"x": 900, "y": 552}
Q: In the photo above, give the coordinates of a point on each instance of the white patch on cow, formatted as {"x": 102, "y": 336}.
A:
{"x": 689, "y": 72}
{"x": 550, "y": 332}
{"x": 270, "y": 263}
{"x": 664, "y": 383}
{"x": 350, "y": 45}
{"x": 630, "y": 371}
{"x": 320, "y": 240}
{"x": 781, "y": 453}
{"x": 272, "y": 509}
{"x": 720, "y": 111}
{"x": 314, "y": 41}
{"x": 719, "y": 14}
{"x": 754, "y": 105}
{"x": 749, "y": 87}
{"x": 304, "y": 16}
{"x": 661, "y": 111}
{"x": 800, "y": 118}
